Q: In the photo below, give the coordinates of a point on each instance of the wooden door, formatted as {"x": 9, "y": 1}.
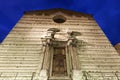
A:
{"x": 59, "y": 66}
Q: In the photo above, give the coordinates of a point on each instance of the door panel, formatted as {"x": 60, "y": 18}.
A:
{"x": 59, "y": 62}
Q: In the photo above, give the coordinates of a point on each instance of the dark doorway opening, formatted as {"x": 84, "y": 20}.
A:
{"x": 59, "y": 66}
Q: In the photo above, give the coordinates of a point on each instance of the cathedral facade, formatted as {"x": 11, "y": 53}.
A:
{"x": 58, "y": 45}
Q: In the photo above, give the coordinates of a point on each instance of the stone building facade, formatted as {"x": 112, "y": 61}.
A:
{"x": 117, "y": 47}
{"x": 58, "y": 45}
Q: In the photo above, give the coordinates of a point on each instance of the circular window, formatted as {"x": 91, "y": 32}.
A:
{"x": 59, "y": 19}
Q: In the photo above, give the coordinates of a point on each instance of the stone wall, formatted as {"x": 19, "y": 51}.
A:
{"x": 21, "y": 52}
{"x": 117, "y": 47}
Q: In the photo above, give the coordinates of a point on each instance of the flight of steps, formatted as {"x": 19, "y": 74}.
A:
{"x": 21, "y": 52}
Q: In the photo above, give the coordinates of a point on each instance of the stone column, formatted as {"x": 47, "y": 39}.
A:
{"x": 76, "y": 72}
{"x": 43, "y": 75}
{"x": 77, "y": 75}
{"x": 46, "y": 61}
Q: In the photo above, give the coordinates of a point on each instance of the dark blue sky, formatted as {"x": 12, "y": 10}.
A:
{"x": 105, "y": 12}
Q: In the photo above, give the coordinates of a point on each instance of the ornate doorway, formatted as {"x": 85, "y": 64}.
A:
{"x": 59, "y": 66}
{"x": 60, "y": 58}
{"x": 59, "y": 61}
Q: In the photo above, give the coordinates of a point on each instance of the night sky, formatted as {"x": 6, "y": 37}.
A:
{"x": 105, "y": 12}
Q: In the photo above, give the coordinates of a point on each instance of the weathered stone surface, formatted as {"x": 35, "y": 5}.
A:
{"x": 117, "y": 47}
{"x": 21, "y": 52}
